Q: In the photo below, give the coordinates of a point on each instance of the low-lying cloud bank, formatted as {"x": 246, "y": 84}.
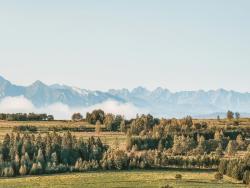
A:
{"x": 21, "y": 104}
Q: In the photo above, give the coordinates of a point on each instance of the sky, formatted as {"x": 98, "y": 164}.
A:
{"x": 179, "y": 45}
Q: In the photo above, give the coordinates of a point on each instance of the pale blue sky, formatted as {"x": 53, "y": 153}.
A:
{"x": 180, "y": 44}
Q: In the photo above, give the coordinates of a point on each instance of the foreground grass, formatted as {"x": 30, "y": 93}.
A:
{"x": 121, "y": 179}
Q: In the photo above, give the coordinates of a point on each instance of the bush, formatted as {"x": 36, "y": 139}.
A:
{"x": 50, "y": 168}
{"x": 34, "y": 169}
{"x": 62, "y": 168}
{"x": 236, "y": 123}
{"x": 246, "y": 177}
{"x": 23, "y": 170}
{"x": 178, "y": 176}
{"x": 167, "y": 186}
{"x": 223, "y": 166}
{"x": 23, "y": 128}
{"x": 8, "y": 172}
{"x": 218, "y": 176}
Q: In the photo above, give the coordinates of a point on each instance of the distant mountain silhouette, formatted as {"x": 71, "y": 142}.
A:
{"x": 159, "y": 102}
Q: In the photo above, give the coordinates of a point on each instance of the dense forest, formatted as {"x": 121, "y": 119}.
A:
{"x": 151, "y": 143}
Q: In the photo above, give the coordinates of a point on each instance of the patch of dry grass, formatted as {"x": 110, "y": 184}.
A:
{"x": 122, "y": 179}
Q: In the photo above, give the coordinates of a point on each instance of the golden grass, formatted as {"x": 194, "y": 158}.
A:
{"x": 122, "y": 179}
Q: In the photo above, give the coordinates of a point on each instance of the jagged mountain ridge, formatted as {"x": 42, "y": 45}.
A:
{"x": 160, "y": 101}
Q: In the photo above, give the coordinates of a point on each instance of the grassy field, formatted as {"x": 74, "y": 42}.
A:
{"x": 107, "y": 137}
{"x": 122, "y": 179}
{"x": 110, "y": 178}
{"x": 110, "y": 138}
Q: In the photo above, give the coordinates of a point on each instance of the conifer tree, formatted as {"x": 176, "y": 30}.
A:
{"x": 231, "y": 148}
{"x": 23, "y": 170}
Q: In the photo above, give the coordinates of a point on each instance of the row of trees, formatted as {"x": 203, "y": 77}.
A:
{"x": 119, "y": 159}
{"x": 53, "y": 153}
{"x": 30, "y": 154}
{"x": 26, "y": 117}
{"x": 231, "y": 115}
{"x": 144, "y": 124}
{"x": 110, "y": 121}
{"x": 236, "y": 168}
{"x": 186, "y": 145}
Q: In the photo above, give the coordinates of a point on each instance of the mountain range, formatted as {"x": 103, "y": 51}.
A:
{"x": 159, "y": 102}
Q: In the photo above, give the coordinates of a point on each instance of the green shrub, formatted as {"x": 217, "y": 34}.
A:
{"x": 218, "y": 176}
{"x": 23, "y": 128}
{"x": 246, "y": 177}
{"x": 8, "y": 172}
{"x": 167, "y": 186}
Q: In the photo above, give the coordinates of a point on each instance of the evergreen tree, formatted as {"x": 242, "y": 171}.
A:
{"x": 161, "y": 145}
{"x": 219, "y": 150}
{"x": 34, "y": 169}
{"x": 123, "y": 126}
{"x": 218, "y": 135}
{"x": 23, "y": 170}
{"x": 231, "y": 148}
{"x": 54, "y": 158}
{"x": 6, "y": 147}
{"x": 40, "y": 157}
{"x": 98, "y": 127}
{"x": 108, "y": 121}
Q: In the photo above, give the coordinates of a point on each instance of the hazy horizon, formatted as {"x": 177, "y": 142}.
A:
{"x": 64, "y": 101}
{"x": 130, "y": 89}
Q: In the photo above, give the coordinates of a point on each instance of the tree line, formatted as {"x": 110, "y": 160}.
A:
{"x": 237, "y": 168}
{"x": 27, "y": 154}
{"x": 26, "y": 117}
{"x": 22, "y": 154}
{"x": 112, "y": 122}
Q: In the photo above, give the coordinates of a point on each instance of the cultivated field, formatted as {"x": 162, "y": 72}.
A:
{"x": 122, "y": 179}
